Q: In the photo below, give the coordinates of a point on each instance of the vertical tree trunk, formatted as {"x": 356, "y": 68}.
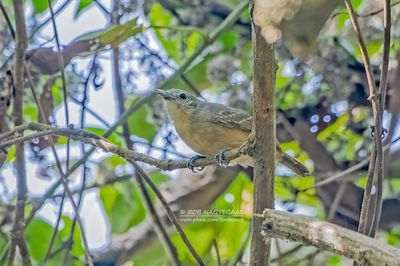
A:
{"x": 264, "y": 74}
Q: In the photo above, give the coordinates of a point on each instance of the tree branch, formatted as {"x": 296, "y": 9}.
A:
{"x": 104, "y": 144}
{"x": 328, "y": 236}
{"x": 375, "y": 170}
{"x": 382, "y": 100}
{"x": 21, "y": 42}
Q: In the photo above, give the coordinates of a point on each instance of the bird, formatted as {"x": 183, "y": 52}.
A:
{"x": 210, "y": 129}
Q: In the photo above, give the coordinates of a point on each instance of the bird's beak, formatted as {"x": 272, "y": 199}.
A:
{"x": 163, "y": 94}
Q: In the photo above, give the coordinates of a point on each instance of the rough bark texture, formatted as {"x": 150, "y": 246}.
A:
{"x": 328, "y": 236}
{"x": 264, "y": 71}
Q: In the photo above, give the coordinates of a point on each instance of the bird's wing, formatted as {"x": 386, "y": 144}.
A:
{"x": 231, "y": 118}
{"x": 235, "y": 119}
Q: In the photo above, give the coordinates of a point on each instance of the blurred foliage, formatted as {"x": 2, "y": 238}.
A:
{"x": 328, "y": 92}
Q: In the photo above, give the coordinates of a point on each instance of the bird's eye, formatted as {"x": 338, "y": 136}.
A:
{"x": 182, "y": 96}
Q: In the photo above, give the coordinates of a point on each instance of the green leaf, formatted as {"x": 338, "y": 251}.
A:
{"x": 228, "y": 40}
{"x": 113, "y": 36}
{"x": 281, "y": 81}
{"x": 356, "y": 3}
{"x": 11, "y": 154}
{"x": 193, "y": 40}
{"x": 152, "y": 256}
{"x": 200, "y": 235}
{"x": 62, "y": 140}
{"x": 113, "y": 161}
{"x": 339, "y": 124}
{"x": 40, "y": 5}
{"x": 373, "y": 47}
{"x": 362, "y": 181}
{"x": 160, "y": 17}
{"x": 77, "y": 249}
{"x": 3, "y": 242}
{"x": 157, "y": 178}
{"x": 334, "y": 260}
{"x": 38, "y": 235}
{"x": 138, "y": 123}
{"x": 230, "y": 235}
{"x": 30, "y": 111}
{"x": 241, "y": 190}
{"x": 341, "y": 19}
{"x": 240, "y": 183}
{"x": 83, "y": 4}
{"x": 56, "y": 92}
{"x": 197, "y": 75}
{"x": 114, "y": 137}
{"x": 108, "y": 195}
{"x": 282, "y": 191}
{"x": 123, "y": 206}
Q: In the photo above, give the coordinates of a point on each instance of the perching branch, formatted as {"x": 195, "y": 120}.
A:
{"x": 97, "y": 141}
{"x": 328, "y": 236}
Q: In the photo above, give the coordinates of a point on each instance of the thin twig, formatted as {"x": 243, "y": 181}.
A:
{"x": 348, "y": 171}
{"x": 157, "y": 223}
{"x": 7, "y": 19}
{"x": 69, "y": 241}
{"x": 287, "y": 253}
{"x": 170, "y": 213}
{"x": 382, "y": 98}
{"x": 228, "y": 22}
{"x": 370, "y": 14}
{"x": 21, "y": 42}
{"x": 375, "y": 171}
{"x": 55, "y": 230}
{"x": 58, "y": 163}
{"x": 102, "y": 7}
{"x": 44, "y": 23}
{"x": 337, "y": 200}
{"x": 63, "y": 81}
{"x": 215, "y": 245}
{"x": 242, "y": 249}
{"x": 183, "y": 77}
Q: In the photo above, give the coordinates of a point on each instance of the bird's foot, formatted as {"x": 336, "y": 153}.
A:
{"x": 220, "y": 158}
{"x": 192, "y": 165}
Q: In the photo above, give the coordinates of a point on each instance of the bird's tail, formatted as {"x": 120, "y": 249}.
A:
{"x": 294, "y": 165}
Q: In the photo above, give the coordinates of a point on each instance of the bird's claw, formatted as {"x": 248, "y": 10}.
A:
{"x": 220, "y": 158}
{"x": 191, "y": 163}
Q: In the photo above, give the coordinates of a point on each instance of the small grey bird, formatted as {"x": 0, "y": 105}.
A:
{"x": 209, "y": 128}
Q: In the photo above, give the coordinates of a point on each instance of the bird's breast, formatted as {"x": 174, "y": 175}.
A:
{"x": 202, "y": 135}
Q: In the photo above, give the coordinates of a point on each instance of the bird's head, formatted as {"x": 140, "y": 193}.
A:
{"x": 179, "y": 98}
